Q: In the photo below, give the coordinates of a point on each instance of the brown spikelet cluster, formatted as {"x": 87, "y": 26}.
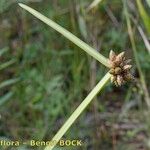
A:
{"x": 119, "y": 68}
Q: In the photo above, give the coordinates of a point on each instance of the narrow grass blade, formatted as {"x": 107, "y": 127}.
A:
{"x": 5, "y": 98}
{"x": 6, "y": 64}
{"x": 67, "y": 34}
{"x": 143, "y": 35}
{"x": 79, "y": 110}
{"x": 94, "y": 4}
{"x": 131, "y": 36}
{"x": 82, "y": 26}
{"x": 3, "y": 50}
{"x": 144, "y": 15}
{"x": 8, "y": 82}
{"x": 145, "y": 39}
{"x": 148, "y": 2}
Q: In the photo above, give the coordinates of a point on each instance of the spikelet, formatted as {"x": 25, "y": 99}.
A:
{"x": 120, "y": 57}
{"x": 113, "y": 78}
{"x": 120, "y": 80}
{"x": 118, "y": 70}
{"x": 112, "y": 55}
{"x": 127, "y": 67}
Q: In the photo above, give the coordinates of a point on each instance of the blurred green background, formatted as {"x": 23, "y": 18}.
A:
{"x": 44, "y": 77}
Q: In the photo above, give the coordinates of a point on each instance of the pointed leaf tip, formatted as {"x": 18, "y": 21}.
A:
{"x": 20, "y": 4}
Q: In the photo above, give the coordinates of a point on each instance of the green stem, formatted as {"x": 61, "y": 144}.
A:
{"x": 79, "y": 110}
{"x": 68, "y": 35}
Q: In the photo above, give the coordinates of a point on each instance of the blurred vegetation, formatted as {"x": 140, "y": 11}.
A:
{"x": 44, "y": 77}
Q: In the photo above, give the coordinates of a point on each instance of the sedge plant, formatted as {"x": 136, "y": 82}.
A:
{"x": 118, "y": 70}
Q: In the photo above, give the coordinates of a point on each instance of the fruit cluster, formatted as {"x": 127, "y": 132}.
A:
{"x": 119, "y": 68}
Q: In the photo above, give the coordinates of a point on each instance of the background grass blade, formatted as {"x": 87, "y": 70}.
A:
{"x": 2, "y": 51}
{"x": 131, "y": 36}
{"x": 6, "y": 64}
{"x": 79, "y": 110}
{"x": 145, "y": 39}
{"x": 143, "y": 35}
{"x": 148, "y": 2}
{"x": 94, "y": 4}
{"x": 5, "y": 98}
{"x": 8, "y": 82}
{"x": 68, "y": 35}
{"x": 145, "y": 17}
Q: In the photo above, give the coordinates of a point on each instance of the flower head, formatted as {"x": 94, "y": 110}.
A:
{"x": 119, "y": 68}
